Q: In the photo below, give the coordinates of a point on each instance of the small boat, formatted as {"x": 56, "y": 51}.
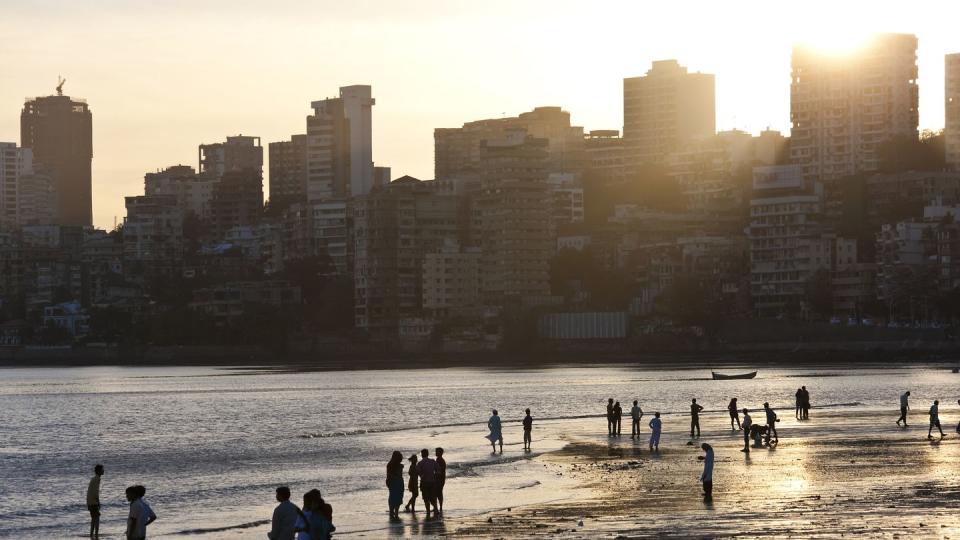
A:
{"x": 722, "y": 377}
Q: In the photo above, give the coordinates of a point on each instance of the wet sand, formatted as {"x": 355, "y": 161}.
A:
{"x": 849, "y": 473}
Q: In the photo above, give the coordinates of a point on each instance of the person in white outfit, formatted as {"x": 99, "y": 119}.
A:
{"x": 655, "y": 426}
{"x": 496, "y": 433}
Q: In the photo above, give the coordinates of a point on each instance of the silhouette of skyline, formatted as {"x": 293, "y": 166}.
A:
{"x": 162, "y": 81}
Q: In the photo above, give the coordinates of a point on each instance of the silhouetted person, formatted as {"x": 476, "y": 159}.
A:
{"x": 958, "y": 423}
{"x": 395, "y": 483}
{"x": 413, "y": 484}
{"x": 441, "y": 475}
{"x": 496, "y": 432}
{"x": 771, "y": 422}
{"x": 734, "y": 417}
{"x": 745, "y": 426}
{"x": 798, "y": 403}
{"x": 93, "y": 500}
{"x": 304, "y": 520}
{"x": 610, "y": 417}
{"x": 285, "y": 516}
{"x": 321, "y": 518}
{"x": 804, "y": 403}
{"x": 617, "y": 418}
{"x": 427, "y": 469}
{"x": 904, "y": 407}
{"x": 142, "y": 496}
{"x": 636, "y": 413}
{"x": 140, "y": 514}
{"x": 707, "y": 476}
{"x": 655, "y": 426}
{"x": 695, "y": 416}
{"x": 934, "y": 419}
{"x": 527, "y": 431}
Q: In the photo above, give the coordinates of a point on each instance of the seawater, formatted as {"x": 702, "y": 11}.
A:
{"x": 211, "y": 444}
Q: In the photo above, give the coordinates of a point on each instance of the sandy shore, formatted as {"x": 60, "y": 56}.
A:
{"x": 842, "y": 473}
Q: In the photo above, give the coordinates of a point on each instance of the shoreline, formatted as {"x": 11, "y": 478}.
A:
{"x": 259, "y": 360}
{"x": 888, "y": 484}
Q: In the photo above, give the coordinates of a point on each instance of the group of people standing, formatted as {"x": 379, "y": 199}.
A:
{"x": 427, "y": 477}
{"x": 802, "y": 404}
{"x": 313, "y": 522}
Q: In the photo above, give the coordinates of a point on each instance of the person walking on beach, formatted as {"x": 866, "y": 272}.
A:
{"x": 804, "y": 403}
{"x": 284, "y": 519}
{"x": 412, "y": 484}
{"x": 655, "y": 426}
{"x": 496, "y": 432}
{"x": 798, "y": 404}
{"x": 934, "y": 419}
{"x": 427, "y": 469}
{"x": 636, "y": 413}
{"x": 707, "y": 476}
{"x": 695, "y": 417}
{"x": 617, "y": 418}
{"x": 745, "y": 426}
{"x": 527, "y": 431}
{"x": 321, "y": 525}
{"x": 610, "y": 417}
{"x": 395, "y": 484}
{"x": 442, "y": 475}
{"x": 734, "y": 417}
{"x": 93, "y": 500}
{"x": 958, "y": 423}
{"x": 771, "y": 422}
{"x": 904, "y": 407}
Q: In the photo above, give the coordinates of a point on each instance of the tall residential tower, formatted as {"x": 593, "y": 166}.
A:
{"x": 666, "y": 109}
{"x": 59, "y": 131}
{"x": 844, "y": 107}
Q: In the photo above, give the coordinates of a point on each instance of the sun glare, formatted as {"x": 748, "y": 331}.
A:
{"x": 839, "y": 42}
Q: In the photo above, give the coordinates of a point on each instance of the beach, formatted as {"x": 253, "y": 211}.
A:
{"x": 212, "y": 444}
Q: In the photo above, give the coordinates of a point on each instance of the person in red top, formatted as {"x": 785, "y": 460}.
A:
{"x": 441, "y": 476}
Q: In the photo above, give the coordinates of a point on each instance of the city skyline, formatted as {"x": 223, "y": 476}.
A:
{"x": 156, "y": 116}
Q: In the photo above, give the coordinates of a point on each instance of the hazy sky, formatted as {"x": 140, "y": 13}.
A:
{"x": 163, "y": 76}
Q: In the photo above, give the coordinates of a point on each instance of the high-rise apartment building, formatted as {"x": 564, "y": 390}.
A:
{"x": 458, "y": 154}
{"x": 26, "y": 198}
{"x": 512, "y": 220}
{"x": 194, "y": 192}
{"x": 236, "y": 167}
{"x": 339, "y": 145}
{"x": 786, "y": 241}
{"x": 288, "y": 171}
{"x": 666, "y": 109}
{"x": 844, "y": 107}
{"x": 11, "y": 167}
{"x": 951, "y": 109}
{"x": 393, "y": 228}
{"x": 59, "y": 131}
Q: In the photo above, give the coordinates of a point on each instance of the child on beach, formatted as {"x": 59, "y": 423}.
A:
{"x": 93, "y": 500}
{"x": 413, "y": 484}
{"x": 655, "y": 426}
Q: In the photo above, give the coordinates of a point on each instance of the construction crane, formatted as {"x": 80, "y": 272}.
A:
{"x": 60, "y": 81}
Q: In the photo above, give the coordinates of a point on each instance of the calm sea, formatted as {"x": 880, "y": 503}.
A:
{"x": 211, "y": 444}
